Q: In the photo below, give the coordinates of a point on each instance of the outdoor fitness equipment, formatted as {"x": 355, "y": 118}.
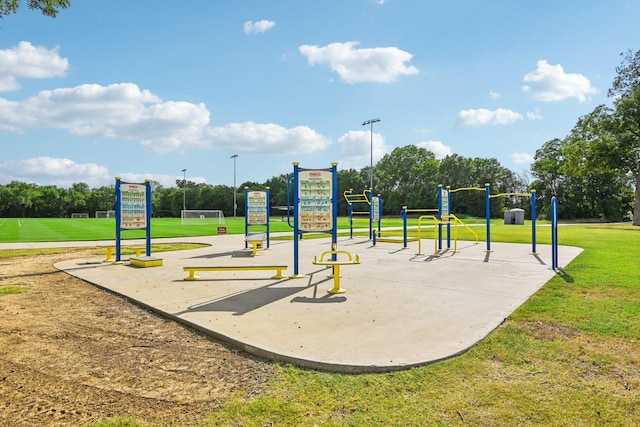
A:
{"x": 488, "y": 197}
{"x": 373, "y": 205}
{"x": 133, "y": 212}
{"x": 256, "y": 215}
{"x": 336, "y": 264}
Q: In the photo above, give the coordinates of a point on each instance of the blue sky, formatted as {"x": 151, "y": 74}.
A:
{"x": 143, "y": 89}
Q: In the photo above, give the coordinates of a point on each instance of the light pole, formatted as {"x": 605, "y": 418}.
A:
{"x": 235, "y": 205}
{"x": 371, "y": 122}
{"x": 184, "y": 189}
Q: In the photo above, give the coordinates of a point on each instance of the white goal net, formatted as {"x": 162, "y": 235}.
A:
{"x": 79, "y": 215}
{"x": 201, "y": 217}
{"x": 106, "y": 214}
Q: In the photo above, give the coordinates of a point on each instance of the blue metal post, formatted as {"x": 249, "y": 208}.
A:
{"x": 246, "y": 216}
{"x": 147, "y": 184}
{"x": 440, "y": 217}
{"x": 449, "y": 219}
{"x": 533, "y": 221}
{"x": 268, "y": 214}
{"x": 296, "y": 226}
{"x": 334, "y": 211}
{"x": 554, "y": 233}
{"x": 404, "y": 225}
{"x": 118, "y": 217}
{"x": 487, "y": 193}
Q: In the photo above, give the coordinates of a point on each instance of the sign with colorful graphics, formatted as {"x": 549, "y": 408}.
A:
{"x": 444, "y": 202}
{"x": 316, "y": 207}
{"x": 257, "y": 208}
{"x": 133, "y": 205}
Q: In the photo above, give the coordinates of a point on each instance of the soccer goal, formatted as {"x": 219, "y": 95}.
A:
{"x": 106, "y": 214}
{"x": 79, "y": 215}
{"x": 201, "y": 217}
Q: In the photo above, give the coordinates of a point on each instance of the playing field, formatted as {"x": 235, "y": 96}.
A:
{"x": 77, "y": 229}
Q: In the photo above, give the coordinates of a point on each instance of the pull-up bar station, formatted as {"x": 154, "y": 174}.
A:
{"x": 444, "y": 196}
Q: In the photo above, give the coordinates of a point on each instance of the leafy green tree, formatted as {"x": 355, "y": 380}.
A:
{"x": 626, "y": 91}
{"x": 47, "y": 7}
{"x": 407, "y": 177}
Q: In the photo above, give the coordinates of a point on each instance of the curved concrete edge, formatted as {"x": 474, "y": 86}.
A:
{"x": 507, "y": 277}
{"x": 317, "y": 365}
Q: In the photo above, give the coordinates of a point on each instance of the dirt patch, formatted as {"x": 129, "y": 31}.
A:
{"x": 550, "y": 331}
{"x": 71, "y": 354}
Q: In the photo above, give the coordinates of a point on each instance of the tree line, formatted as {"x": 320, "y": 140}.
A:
{"x": 408, "y": 176}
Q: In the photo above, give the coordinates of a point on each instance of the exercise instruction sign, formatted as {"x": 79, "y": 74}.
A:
{"x": 315, "y": 188}
{"x": 257, "y": 208}
{"x": 133, "y": 205}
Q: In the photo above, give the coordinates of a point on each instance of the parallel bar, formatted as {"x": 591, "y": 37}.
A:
{"x": 192, "y": 270}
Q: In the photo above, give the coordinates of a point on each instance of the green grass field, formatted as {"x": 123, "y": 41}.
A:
{"x": 14, "y": 230}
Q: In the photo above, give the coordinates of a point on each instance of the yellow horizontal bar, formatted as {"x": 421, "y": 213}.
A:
{"x": 510, "y": 194}
{"x": 236, "y": 267}
{"x": 467, "y": 189}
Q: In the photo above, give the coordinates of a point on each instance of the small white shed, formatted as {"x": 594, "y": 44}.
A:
{"x": 514, "y": 217}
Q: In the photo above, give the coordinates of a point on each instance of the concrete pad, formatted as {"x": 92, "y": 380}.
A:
{"x": 399, "y": 310}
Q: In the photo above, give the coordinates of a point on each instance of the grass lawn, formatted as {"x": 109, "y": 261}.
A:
{"x": 569, "y": 356}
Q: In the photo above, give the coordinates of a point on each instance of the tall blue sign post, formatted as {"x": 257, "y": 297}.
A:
{"x": 256, "y": 211}
{"x": 315, "y": 205}
{"x": 133, "y": 211}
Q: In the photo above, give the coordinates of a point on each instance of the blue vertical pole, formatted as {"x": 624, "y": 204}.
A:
{"x": 246, "y": 216}
{"x": 296, "y": 207}
{"x": 118, "y": 217}
{"x": 487, "y": 192}
{"x": 334, "y": 210}
{"x": 379, "y": 216}
{"x": 350, "y": 217}
{"x": 440, "y": 217}
{"x": 147, "y": 184}
{"x": 370, "y": 215}
{"x": 449, "y": 219}
{"x": 554, "y": 233}
{"x": 268, "y": 207}
{"x": 533, "y": 221}
{"x": 404, "y": 225}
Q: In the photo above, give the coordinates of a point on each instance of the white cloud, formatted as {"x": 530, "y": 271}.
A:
{"x": 28, "y": 61}
{"x": 115, "y": 111}
{"x": 521, "y": 158}
{"x": 355, "y": 149}
{"x": 494, "y": 95}
{"x": 534, "y": 115}
{"x": 483, "y": 117}
{"x": 124, "y": 111}
{"x": 267, "y": 138}
{"x": 258, "y": 27}
{"x": 379, "y": 65}
{"x": 437, "y": 148}
{"x": 549, "y": 83}
{"x": 61, "y": 171}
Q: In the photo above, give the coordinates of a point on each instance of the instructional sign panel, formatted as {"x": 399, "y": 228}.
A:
{"x": 444, "y": 203}
{"x": 257, "y": 208}
{"x": 315, "y": 200}
{"x": 133, "y": 205}
{"x": 375, "y": 206}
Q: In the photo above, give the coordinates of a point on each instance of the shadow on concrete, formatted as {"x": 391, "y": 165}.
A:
{"x": 243, "y": 302}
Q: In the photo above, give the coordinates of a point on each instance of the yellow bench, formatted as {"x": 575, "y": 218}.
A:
{"x": 256, "y": 240}
{"x": 111, "y": 248}
{"x": 277, "y": 268}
